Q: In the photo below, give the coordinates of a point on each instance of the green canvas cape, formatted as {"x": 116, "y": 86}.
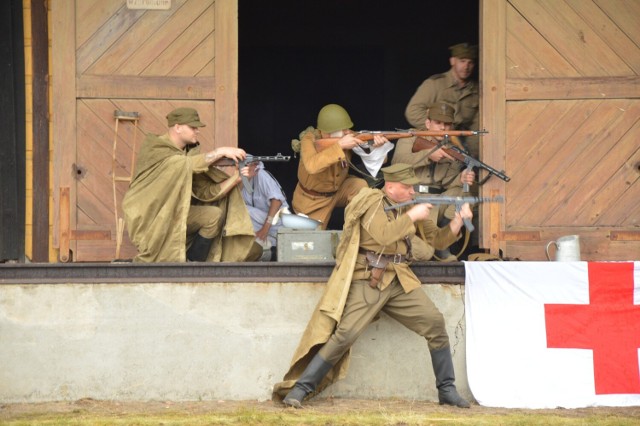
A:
{"x": 329, "y": 310}
{"x": 157, "y": 204}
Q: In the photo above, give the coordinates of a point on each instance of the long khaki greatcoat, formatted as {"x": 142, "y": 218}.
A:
{"x": 328, "y": 311}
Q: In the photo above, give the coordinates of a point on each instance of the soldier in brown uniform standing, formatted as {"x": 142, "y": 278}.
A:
{"x": 371, "y": 275}
{"x": 437, "y": 172}
{"x": 454, "y": 87}
{"x": 324, "y": 182}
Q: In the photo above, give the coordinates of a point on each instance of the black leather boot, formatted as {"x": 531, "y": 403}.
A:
{"x": 445, "y": 378}
{"x": 307, "y": 383}
{"x": 199, "y": 249}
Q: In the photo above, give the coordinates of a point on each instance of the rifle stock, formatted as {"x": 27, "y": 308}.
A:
{"x": 366, "y": 136}
{"x": 460, "y": 155}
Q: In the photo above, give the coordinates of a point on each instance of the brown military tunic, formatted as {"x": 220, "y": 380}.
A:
{"x": 444, "y": 88}
{"x": 398, "y": 293}
{"x": 323, "y": 180}
{"x": 444, "y": 176}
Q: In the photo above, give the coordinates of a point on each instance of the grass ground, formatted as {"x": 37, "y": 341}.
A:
{"x": 326, "y": 412}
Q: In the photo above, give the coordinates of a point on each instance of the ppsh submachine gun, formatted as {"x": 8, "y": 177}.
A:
{"x": 251, "y": 159}
{"x": 457, "y": 201}
{"x": 452, "y": 146}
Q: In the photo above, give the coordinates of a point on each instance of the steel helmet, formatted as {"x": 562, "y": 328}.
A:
{"x": 332, "y": 118}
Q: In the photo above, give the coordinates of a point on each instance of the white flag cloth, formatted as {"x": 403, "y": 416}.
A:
{"x": 374, "y": 160}
{"x": 553, "y": 334}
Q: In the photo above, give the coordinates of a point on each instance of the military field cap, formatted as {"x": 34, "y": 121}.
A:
{"x": 464, "y": 51}
{"x": 400, "y": 172}
{"x": 441, "y": 111}
{"x": 188, "y": 116}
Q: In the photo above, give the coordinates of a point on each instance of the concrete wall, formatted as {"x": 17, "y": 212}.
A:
{"x": 196, "y": 341}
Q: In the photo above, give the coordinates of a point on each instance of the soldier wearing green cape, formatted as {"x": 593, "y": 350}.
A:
{"x": 181, "y": 207}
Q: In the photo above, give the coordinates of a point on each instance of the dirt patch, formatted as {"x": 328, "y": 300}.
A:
{"x": 320, "y": 406}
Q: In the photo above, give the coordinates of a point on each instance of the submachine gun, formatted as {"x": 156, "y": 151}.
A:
{"x": 452, "y": 146}
{"x": 458, "y": 201}
{"x": 248, "y": 160}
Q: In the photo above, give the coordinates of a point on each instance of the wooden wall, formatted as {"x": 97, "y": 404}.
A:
{"x": 560, "y": 93}
{"x": 561, "y": 98}
{"x": 109, "y": 57}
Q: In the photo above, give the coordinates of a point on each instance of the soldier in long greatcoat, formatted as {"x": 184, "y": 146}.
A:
{"x": 371, "y": 275}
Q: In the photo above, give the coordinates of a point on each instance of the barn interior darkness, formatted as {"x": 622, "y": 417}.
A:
{"x": 366, "y": 55}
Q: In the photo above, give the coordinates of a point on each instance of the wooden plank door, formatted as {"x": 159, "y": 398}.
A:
{"x": 109, "y": 55}
{"x": 561, "y": 98}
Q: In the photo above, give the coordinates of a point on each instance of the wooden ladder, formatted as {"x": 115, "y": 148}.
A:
{"x": 132, "y": 117}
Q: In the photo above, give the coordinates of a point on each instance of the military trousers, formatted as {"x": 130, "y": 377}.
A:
{"x": 205, "y": 220}
{"x": 414, "y": 310}
{"x": 319, "y": 207}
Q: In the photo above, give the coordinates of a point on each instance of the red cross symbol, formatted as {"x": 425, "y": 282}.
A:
{"x": 609, "y": 325}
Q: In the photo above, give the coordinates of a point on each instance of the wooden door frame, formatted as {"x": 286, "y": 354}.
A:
{"x": 493, "y": 48}
{"x": 68, "y": 87}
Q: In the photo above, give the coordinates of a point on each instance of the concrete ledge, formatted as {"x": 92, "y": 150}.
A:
{"x": 195, "y": 340}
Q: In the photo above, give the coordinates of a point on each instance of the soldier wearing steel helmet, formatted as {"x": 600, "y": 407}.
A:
{"x": 455, "y": 87}
{"x": 324, "y": 182}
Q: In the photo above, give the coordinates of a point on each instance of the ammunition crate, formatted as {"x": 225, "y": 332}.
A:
{"x": 306, "y": 246}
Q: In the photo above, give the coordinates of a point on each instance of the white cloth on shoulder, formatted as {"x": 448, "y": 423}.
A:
{"x": 374, "y": 160}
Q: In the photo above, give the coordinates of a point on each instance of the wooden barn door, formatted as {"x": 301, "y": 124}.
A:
{"x": 561, "y": 98}
{"x": 132, "y": 56}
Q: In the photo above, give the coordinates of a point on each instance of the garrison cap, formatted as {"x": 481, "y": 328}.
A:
{"x": 188, "y": 116}
{"x": 464, "y": 51}
{"x": 400, "y": 172}
{"x": 441, "y": 111}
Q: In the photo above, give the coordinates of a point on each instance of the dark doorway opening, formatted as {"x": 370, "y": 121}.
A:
{"x": 368, "y": 56}
{"x": 12, "y": 138}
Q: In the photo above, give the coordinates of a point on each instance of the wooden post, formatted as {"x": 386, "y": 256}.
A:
{"x": 67, "y": 234}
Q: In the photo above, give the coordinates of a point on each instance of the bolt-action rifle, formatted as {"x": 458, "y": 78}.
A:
{"x": 366, "y": 136}
{"x": 458, "y": 153}
{"x": 458, "y": 201}
{"x": 248, "y": 160}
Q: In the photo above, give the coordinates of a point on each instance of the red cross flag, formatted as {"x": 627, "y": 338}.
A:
{"x": 553, "y": 334}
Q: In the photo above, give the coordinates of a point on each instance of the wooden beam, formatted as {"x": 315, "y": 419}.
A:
{"x": 573, "y": 88}
{"x": 136, "y": 87}
{"x": 40, "y": 129}
{"x": 624, "y": 235}
{"x": 493, "y": 71}
{"x": 520, "y": 236}
{"x": 226, "y": 72}
{"x": 63, "y": 103}
{"x": 64, "y": 227}
{"x": 67, "y": 234}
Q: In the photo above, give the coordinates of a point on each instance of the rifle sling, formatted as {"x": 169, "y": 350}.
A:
{"x": 467, "y": 236}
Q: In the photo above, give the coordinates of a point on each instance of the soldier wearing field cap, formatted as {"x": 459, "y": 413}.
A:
{"x": 372, "y": 275}
{"x": 179, "y": 203}
{"x": 437, "y": 171}
{"x": 455, "y": 87}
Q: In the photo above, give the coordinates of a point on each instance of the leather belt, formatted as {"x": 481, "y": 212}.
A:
{"x": 316, "y": 193}
{"x": 393, "y": 258}
{"x": 424, "y": 189}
